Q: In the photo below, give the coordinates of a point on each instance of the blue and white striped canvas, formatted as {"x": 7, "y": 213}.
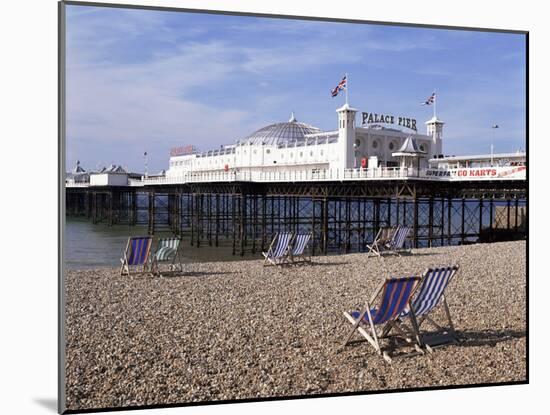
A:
{"x": 283, "y": 240}
{"x": 300, "y": 243}
{"x": 433, "y": 286}
{"x": 399, "y": 237}
{"x": 166, "y": 249}
{"x": 396, "y": 295}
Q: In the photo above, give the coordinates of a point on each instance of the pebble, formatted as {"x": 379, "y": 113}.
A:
{"x": 239, "y": 330}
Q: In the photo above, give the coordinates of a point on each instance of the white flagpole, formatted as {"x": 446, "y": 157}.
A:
{"x": 435, "y": 104}
{"x": 347, "y": 85}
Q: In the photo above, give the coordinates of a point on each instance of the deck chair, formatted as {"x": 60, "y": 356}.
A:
{"x": 167, "y": 251}
{"x": 382, "y": 238}
{"x": 136, "y": 254}
{"x": 397, "y": 241}
{"x": 277, "y": 253}
{"x": 430, "y": 294}
{"x": 298, "y": 250}
{"x": 395, "y": 295}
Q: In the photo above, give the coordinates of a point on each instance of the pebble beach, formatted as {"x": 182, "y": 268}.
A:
{"x": 239, "y": 330}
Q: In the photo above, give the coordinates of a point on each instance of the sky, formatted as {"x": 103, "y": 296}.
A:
{"x": 147, "y": 81}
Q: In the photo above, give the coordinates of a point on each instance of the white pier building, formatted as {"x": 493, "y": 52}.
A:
{"x": 294, "y": 151}
{"x": 295, "y": 146}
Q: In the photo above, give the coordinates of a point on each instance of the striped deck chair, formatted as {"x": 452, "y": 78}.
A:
{"x": 136, "y": 254}
{"x": 395, "y": 295}
{"x": 277, "y": 253}
{"x": 430, "y": 295}
{"x": 167, "y": 251}
{"x": 298, "y": 250}
{"x": 383, "y": 237}
{"x": 398, "y": 241}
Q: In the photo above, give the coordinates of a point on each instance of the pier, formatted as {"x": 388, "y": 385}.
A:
{"x": 343, "y": 213}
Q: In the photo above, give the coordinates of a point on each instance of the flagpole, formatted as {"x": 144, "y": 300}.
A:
{"x": 435, "y": 104}
{"x": 347, "y": 87}
{"x": 493, "y": 128}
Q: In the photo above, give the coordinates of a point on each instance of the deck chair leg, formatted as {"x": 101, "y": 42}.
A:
{"x": 433, "y": 323}
{"x": 373, "y": 249}
{"x": 269, "y": 250}
{"x": 179, "y": 264}
{"x": 416, "y": 329}
{"x": 373, "y": 340}
{"x": 448, "y": 313}
{"x": 373, "y": 330}
{"x": 125, "y": 269}
{"x": 355, "y": 326}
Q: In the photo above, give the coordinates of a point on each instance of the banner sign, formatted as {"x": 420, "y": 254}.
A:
{"x": 183, "y": 151}
{"x": 372, "y": 118}
{"x": 479, "y": 173}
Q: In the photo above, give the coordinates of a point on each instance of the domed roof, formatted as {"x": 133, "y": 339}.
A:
{"x": 281, "y": 133}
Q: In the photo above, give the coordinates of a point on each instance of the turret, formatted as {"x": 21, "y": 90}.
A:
{"x": 434, "y": 128}
{"x": 346, "y": 137}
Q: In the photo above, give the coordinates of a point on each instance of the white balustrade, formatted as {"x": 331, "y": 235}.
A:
{"x": 381, "y": 173}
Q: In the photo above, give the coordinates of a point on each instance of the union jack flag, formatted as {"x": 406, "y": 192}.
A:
{"x": 430, "y": 100}
{"x": 339, "y": 87}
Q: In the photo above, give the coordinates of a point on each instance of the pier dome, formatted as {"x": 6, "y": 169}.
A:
{"x": 282, "y": 133}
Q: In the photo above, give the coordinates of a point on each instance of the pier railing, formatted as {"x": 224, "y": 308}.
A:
{"x": 313, "y": 175}
{"x": 286, "y": 176}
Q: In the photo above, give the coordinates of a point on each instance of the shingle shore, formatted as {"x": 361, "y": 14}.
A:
{"x": 238, "y": 330}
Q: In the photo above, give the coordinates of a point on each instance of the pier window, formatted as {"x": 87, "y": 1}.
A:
{"x": 375, "y": 144}
{"x": 268, "y": 151}
{"x": 391, "y": 146}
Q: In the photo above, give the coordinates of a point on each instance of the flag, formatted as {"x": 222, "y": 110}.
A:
{"x": 495, "y": 126}
{"x": 430, "y": 100}
{"x": 145, "y": 154}
{"x": 339, "y": 87}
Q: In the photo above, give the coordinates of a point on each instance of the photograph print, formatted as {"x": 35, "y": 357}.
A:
{"x": 265, "y": 207}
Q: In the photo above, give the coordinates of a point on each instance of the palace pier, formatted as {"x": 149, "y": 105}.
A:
{"x": 343, "y": 216}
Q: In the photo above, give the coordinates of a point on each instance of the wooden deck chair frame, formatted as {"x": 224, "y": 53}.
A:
{"x": 371, "y": 334}
{"x": 443, "y": 335}
{"x": 283, "y": 258}
{"x": 304, "y": 257}
{"x": 125, "y": 266}
{"x": 174, "y": 263}
{"x": 380, "y": 240}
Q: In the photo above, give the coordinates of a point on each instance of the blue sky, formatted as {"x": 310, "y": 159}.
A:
{"x": 142, "y": 80}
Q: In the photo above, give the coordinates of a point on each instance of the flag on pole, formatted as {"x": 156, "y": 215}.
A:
{"x": 339, "y": 87}
{"x": 495, "y": 126}
{"x": 430, "y": 100}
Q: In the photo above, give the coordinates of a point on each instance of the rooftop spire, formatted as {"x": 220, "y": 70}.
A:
{"x": 292, "y": 117}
